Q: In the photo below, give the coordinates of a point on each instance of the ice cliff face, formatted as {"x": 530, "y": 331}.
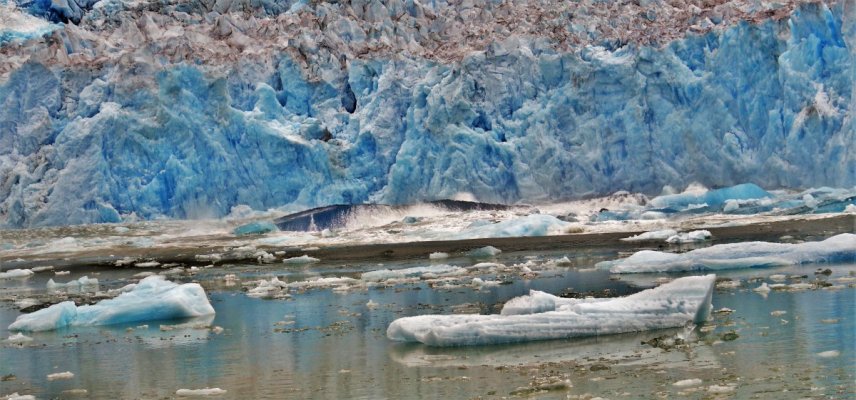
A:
{"x": 186, "y": 109}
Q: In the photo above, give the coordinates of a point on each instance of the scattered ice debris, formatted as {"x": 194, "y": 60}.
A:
{"x": 255, "y": 228}
{"x": 217, "y": 330}
{"x": 778, "y": 278}
{"x": 484, "y": 252}
{"x": 269, "y": 289}
{"x": 541, "y": 316}
{"x": 428, "y": 272}
{"x": 688, "y": 382}
{"x": 153, "y": 298}
{"x": 438, "y": 256}
{"x": 60, "y": 376}
{"x": 147, "y": 264}
{"x": 61, "y": 273}
{"x": 124, "y": 261}
{"x": 200, "y": 392}
{"x": 264, "y": 257}
{"x": 16, "y": 274}
{"x": 304, "y": 259}
{"x": 778, "y": 313}
{"x": 724, "y": 310}
{"x": 19, "y": 338}
{"x": 371, "y": 304}
{"x": 839, "y": 248}
{"x": 84, "y": 284}
{"x": 690, "y": 237}
{"x": 200, "y": 323}
{"x": 530, "y": 225}
{"x": 713, "y": 198}
{"x": 42, "y": 269}
{"x": 652, "y": 235}
{"x": 829, "y": 354}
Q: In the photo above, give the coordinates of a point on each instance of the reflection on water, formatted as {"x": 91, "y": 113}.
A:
{"x": 322, "y": 344}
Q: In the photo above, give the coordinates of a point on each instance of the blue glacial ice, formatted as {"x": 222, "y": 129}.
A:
{"x": 153, "y": 298}
{"x": 542, "y": 316}
{"x": 521, "y": 121}
{"x": 530, "y": 225}
{"x": 839, "y": 248}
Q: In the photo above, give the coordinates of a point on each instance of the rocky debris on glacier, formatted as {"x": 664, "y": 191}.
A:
{"x": 154, "y": 298}
{"x": 541, "y": 316}
{"x": 336, "y": 103}
{"x": 839, "y": 248}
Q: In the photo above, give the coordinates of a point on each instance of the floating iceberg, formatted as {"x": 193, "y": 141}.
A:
{"x": 255, "y": 228}
{"x": 541, "y": 316}
{"x": 16, "y": 274}
{"x": 75, "y": 286}
{"x": 839, "y": 248}
{"x": 689, "y": 237}
{"x": 653, "y": 235}
{"x": 714, "y": 198}
{"x": 154, "y": 298}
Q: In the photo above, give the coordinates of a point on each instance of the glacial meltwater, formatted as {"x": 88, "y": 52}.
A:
{"x": 326, "y": 339}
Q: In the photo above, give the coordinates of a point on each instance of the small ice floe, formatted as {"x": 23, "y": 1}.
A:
{"x": 42, "y": 269}
{"x": 719, "y": 389}
{"x": 147, "y": 264}
{"x": 652, "y": 235}
{"x": 16, "y": 274}
{"x": 829, "y": 354}
{"x": 778, "y": 278}
{"x": 264, "y": 257}
{"x": 61, "y": 273}
{"x": 839, "y": 248}
{"x": 729, "y": 284}
{"x": 212, "y": 258}
{"x": 84, "y": 284}
{"x": 724, "y": 310}
{"x": 371, "y": 304}
{"x": 304, "y": 259}
{"x": 481, "y": 283}
{"x": 778, "y": 313}
{"x": 688, "y": 382}
{"x": 75, "y": 392}
{"x": 18, "y": 338}
{"x": 153, "y": 298}
{"x": 541, "y": 316}
{"x": 60, "y": 376}
{"x": 16, "y": 396}
{"x": 764, "y": 288}
{"x": 216, "y": 330}
{"x": 438, "y": 256}
{"x": 484, "y": 252}
{"x": 689, "y": 237}
{"x": 200, "y": 392}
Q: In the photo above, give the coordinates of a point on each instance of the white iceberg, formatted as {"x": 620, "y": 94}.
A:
{"x": 16, "y": 274}
{"x": 652, "y": 235}
{"x": 530, "y": 225}
{"x": 689, "y": 237}
{"x": 429, "y": 272}
{"x": 304, "y": 259}
{"x": 541, "y": 316}
{"x": 154, "y": 298}
{"x": 83, "y": 284}
{"x": 839, "y": 248}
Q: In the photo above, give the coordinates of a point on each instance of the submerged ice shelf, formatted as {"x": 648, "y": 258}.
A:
{"x": 541, "y": 316}
{"x": 153, "y": 298}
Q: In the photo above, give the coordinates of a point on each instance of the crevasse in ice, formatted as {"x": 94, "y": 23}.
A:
{"x": 167, "y": 131}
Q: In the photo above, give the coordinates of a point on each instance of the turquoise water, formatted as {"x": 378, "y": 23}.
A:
{"x": 322, "y": 344}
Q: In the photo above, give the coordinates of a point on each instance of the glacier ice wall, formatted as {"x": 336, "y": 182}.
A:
{"x": 769, "y": 102}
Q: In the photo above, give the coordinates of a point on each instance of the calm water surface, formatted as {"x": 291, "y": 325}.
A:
{"x": 321, "y": 344}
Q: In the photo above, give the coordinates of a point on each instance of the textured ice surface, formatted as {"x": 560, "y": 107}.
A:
{"x": 152, "y": 299}
{"x": 712, "y": 198}
{"x": 662, "y": 234}
{"x": 142, "y": 109}
{"x": 530, "y": 225}
{"x": 16, "y": 274}
{"x": 541, "y": 316}
{"x": 839, "y": 248}
{"x": 255, "y": 228}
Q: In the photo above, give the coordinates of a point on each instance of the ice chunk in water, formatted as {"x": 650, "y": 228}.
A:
{"x": 839, "y": 248}
{"x": 16, "y": 274}
{"x": 255, "y": 228}
{"x": 530, "y": 225}
{"x": 154, "y": 298}
{"x": 541, "y": 316}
